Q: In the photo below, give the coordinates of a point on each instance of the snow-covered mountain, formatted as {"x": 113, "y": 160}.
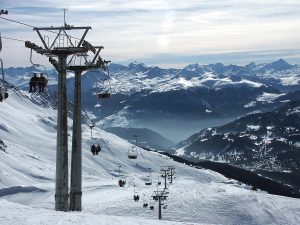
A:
{"x": 137, "y": 77}
{"x": 27, "y": 173}
{"x": 261, "y": 141}
{"x": 210, "y": 95}
{"x": 166, "y": 100}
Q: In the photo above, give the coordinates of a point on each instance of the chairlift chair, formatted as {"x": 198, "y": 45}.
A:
{"x": 40, "y": 73}
{"x": 151, "y": 206}
{"x": 122, "y": 181}
{"x": 3, "y": 90}
{"x": 132, "y": 152}
{"x": 165, "y": 205}
{"x": 136, "y": 197}
{"x": 104, "y": 95}
{"x": 148, "y": 180}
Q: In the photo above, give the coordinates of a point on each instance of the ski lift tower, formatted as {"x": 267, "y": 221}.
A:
{"x": 160, "y": 195}
{"x": 61, "y": 47}
{"x": 171, "y": 173}
{"x": 76, "y": 168}
{"x": 165, "y": 170}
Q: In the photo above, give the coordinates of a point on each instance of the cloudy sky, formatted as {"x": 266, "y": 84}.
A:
{"x": 167, "y": 33}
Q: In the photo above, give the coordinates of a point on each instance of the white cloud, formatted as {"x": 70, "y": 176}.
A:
{"x": 134, "y": 29}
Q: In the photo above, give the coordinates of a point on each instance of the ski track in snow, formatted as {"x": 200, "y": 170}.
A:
{"x": 27, "y": 176}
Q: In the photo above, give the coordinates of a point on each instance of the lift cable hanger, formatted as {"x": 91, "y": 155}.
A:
{"x": 105, "y": 94}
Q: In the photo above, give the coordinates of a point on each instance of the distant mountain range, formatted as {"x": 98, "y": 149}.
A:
{"x": 167, "y": 100}
{"x": 137, "y": 77}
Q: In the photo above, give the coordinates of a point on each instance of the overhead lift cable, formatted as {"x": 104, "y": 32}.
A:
{"x": 29, "y": 25}
{"x": 14, "y": 39}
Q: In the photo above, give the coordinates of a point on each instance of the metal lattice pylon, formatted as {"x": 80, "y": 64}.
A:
{"x": 61, "y": 47}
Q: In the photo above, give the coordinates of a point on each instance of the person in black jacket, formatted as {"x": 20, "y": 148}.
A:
{"x": 33, "y": 83}
{"x": 42, "y": 81}
{"x": 93, "y": 149}
{"x": 98, "y": 149}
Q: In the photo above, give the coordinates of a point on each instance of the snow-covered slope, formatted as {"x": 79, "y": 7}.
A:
{"x": 27, "y": 168}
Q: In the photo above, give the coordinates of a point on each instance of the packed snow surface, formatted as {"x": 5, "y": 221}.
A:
{"x": 197, "y": 196}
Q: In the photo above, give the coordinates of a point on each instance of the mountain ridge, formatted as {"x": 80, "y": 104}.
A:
{"x": 267, "y": 141}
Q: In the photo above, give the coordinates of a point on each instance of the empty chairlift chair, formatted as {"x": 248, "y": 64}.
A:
{"x": 132, "y": 152}
{"x": 165, "y": 205}
{"x": 148, "y": 180}
{"x": 104, "y": 95}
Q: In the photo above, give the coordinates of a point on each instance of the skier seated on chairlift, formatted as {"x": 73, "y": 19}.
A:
{"x": 33, "y": 83}
{"x": 3, "y": 93}
{"x": 93, "y": 149}
{"x": 136, "y": 197}
{"x": 42, "y": 82}
{"x": 98, "y": 149}
{"x": 122, "y": 183}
